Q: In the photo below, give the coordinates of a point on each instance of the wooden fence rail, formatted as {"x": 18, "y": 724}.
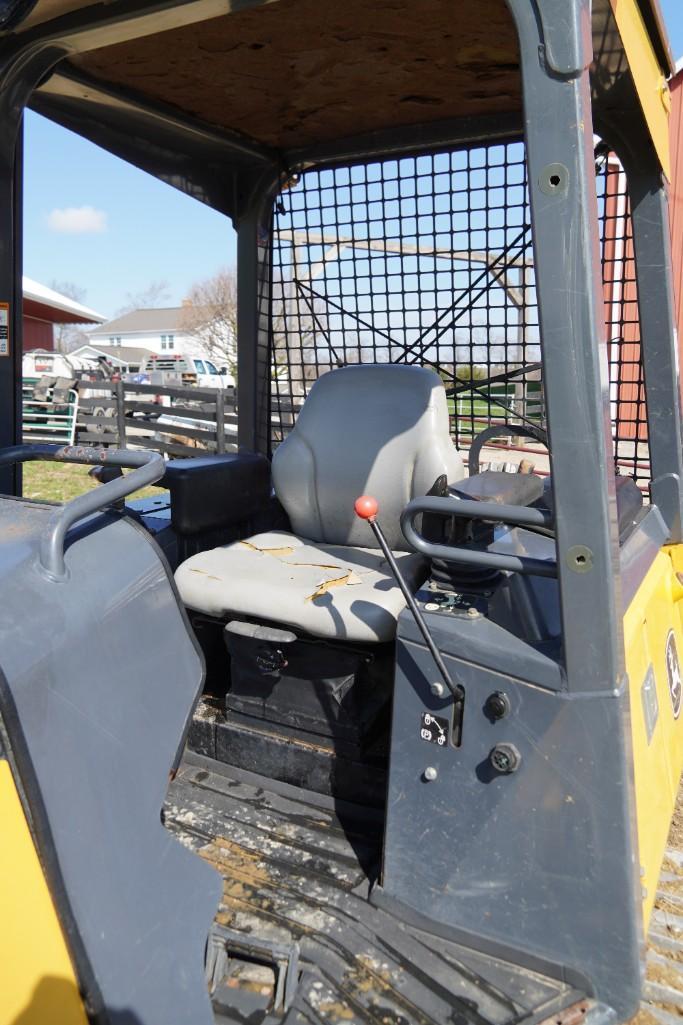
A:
{"x": 124, "y": 413}
{"x": 176, "y": 421}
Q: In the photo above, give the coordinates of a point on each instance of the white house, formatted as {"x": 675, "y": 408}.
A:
{"x": 157, "y": 330}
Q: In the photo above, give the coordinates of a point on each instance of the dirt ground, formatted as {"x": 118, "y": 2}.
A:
{"x": 664, "y": 959}
{"x": 676, "y": 831}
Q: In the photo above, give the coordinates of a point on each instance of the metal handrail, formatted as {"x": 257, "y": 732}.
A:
{"x": 516, "y": 515}
{"x": 148, "y": 468}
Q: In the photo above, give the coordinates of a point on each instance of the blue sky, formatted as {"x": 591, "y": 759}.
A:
{"x": 112, "y": 230}
{"x": 126, "y": 228}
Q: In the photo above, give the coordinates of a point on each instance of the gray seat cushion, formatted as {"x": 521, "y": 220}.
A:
{"x": 331, "y": 591}
{"x": 378, "y": 429}
{"x": 371, "y": 429}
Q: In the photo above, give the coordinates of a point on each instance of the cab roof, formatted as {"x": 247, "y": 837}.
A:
{"x": 292, "y": 72}
{"x": 288, "y": 75}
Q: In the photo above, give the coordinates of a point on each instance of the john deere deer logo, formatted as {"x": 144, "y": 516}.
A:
{"x": 673, "y": 672}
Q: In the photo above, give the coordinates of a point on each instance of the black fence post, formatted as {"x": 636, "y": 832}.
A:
{"x": 220, "y": 421}
{"x": 120, "y": 414}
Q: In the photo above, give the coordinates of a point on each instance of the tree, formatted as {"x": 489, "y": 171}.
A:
{"x": 156, "y": 294}
{"x": 471, "y": 372}
{"x": 297, "y": 323}
{"x": 69, "y": 336}
{"x": 210, "y": 314}
{"x": 300, "y": 330}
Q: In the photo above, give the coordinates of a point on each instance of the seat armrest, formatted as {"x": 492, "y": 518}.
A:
{"x": 214, "y": 491}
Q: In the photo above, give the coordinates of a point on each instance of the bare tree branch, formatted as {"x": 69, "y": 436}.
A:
{"x": 298, "y": 322}
{"x": 155, "y": 294}
{"x": 210, "y": 314}
{"x": 69, "y": 336}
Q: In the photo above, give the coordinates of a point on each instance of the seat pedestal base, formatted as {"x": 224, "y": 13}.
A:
{"x": 329, "y": 768}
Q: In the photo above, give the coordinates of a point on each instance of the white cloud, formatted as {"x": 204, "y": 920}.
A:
{"x": 77, "y": 220}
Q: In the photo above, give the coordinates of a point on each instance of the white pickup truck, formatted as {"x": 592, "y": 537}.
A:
{"x": 193, "y": 370}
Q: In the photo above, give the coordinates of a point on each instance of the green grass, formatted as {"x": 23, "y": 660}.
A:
{"x": 59, "y": 482}
{"x": 472, "y": 406}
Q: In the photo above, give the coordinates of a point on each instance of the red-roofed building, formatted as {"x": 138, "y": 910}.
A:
{"x": 43, "y": 308}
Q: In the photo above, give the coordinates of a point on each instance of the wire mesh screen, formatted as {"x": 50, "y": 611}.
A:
{"x": 627, "y": 380}
{"x": 422, "y": 260}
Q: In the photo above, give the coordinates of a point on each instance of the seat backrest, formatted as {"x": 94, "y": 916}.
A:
{"x": 377, "y": 429}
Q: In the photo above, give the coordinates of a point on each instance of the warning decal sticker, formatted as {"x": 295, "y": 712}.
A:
{"x": 4, "y": 329}
{"x": 434, "y": 729}
{"x": 673, "y": 672}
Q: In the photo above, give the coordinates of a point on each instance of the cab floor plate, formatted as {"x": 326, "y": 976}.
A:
{"x": 296, "y": 877}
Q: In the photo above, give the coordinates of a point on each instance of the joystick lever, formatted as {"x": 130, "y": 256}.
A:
{"x": 366, "y": 509}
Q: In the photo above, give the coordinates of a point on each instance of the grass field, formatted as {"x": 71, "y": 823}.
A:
{"x": 472, "y": 406}
{"x": 59, "y": 482}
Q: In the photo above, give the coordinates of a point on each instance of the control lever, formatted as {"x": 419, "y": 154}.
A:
{"x": 366, "y": 509}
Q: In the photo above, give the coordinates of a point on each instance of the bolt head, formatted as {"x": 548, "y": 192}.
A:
{"x": 437, "y": 689}
{"x": 472, "y": 611}
{"x": 430, "y": 774}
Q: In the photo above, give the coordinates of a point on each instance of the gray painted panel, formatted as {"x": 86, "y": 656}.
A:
{"x": 558, "y": 134}
{"x": 540, "y": 859}
{"x": 104, "y": 674}
{"x": 651, "y": 241}
{"x": 639, "y": 552}
{"x": 477, "y": 640}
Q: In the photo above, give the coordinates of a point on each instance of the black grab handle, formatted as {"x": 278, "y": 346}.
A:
{"x": 502, "y": 431}
{"x": 148, "y": 468}
{"x": 517, "y": 515}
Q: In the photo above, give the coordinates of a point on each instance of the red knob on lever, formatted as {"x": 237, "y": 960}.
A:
{"x": 366, "y": 507}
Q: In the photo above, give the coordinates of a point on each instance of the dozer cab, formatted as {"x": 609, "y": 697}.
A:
{"x": 374, "y": 719}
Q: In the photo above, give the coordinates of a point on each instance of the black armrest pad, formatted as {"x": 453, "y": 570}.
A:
{"x": 216, "y": 491}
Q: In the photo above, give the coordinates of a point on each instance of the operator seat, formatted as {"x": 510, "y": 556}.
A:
{"x": 380, "y": 429}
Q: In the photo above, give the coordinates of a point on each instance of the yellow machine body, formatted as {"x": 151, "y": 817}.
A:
{"x": 37, "y": 981}
{"x": 653, "y": 637}
{"x": 648, "y": 76}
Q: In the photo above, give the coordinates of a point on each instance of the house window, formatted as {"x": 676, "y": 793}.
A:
{"x": 171, "y": 344}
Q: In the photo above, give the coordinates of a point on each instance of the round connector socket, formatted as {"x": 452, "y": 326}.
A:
{"x": 505, "y": 758}
{"x": 497, "y": 705}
